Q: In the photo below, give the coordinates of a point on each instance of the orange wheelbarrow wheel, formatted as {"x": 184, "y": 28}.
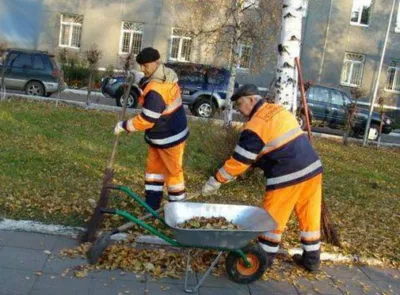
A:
{"x": 237, "y": 269}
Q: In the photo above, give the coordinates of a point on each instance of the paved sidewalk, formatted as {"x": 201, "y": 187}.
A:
{"x": 30, "y": 264}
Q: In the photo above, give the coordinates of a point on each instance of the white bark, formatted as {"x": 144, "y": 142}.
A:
{"x": 233, "y": 66}
{"x": 289, "y": 49}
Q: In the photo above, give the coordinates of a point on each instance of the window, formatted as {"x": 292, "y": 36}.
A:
{"x": 318, "y": 94}
{"x": 244, "y": 56}
{"x": 70, "y": 31}
{"x": 131, "y": 38}
{"x": 361, "y": 12}
{"x": 393, "y": 79}
{"x": 10, "y": 58}
{"x": 23, "y": 61}
{"x": 38, "y": 62}
{"x": 215, "y": 77}
{"x": 352, "y": 70}
{"x": 336, "y": 98}
{"x": 190, "y": 77}
{"x": 181, "y": 45}
{"x": 397, "y": 28}
{"x": 253, "y": 3}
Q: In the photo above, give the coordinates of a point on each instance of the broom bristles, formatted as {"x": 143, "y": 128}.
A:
{"x": 329, "y": 233}
{"x": 97, "y": 218}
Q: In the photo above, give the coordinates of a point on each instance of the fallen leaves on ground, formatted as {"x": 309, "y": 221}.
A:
{"x": 53, "y": 174}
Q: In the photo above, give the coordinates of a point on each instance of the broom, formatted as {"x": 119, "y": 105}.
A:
{"x": 97, "y": 218}
{"x": 329, "y": 233}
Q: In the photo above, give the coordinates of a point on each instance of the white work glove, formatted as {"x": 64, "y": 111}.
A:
{"x": 210, "y": 187}
{"x": 119, "y": 128}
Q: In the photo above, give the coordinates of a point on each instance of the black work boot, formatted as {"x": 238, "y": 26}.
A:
{"x": 309, "y": 260}
{"x": 270, "y": 257}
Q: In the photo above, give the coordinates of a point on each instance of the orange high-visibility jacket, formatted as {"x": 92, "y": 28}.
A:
{"x": 163, "y": 116}
{"x": 273, "y": 141}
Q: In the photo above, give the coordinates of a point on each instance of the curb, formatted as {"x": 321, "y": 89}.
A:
{"x": 73, "y": 232}
{"x": 41, "y": 228}
{"x": 83, "y": 92}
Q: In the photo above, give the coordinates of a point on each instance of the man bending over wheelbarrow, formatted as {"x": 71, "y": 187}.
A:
{"x": 273, "y": 141}
{"x": 164, "y": 120}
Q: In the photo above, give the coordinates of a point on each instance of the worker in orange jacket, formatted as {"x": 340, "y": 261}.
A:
{"x": 164, "y": 121}
{"x": 273, "y": 141}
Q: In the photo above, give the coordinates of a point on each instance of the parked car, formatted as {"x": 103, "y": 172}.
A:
{"x": 203, "y": 87}
{"x": 114, "y": 88}
{"x": 35, "y": 72}
{"x": 331, "y": 106}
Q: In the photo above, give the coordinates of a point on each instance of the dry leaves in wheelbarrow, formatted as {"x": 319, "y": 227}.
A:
{"x": 208, "y": 223}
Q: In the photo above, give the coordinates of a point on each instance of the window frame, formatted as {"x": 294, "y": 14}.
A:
{"x": 397, "y": 25}
{"x": 397, "y": 72}
{"x": 240, "y": 55}
{"x": 71, "y": 25}
{"x": 349, "y": 84}
{"x": 136, "y": 30}
{"x": 180, "y": 46}
{"x": 358, "y": 22}
{"x": 251, "y": 3}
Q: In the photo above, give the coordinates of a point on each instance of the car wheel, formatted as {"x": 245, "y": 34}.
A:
{"x": 34, "y": 88}
{"x": 132, "y": 100}
{"x": 204, "y": 108}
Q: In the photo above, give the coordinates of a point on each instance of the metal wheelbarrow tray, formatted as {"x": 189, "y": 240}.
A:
{"x": 245, "y": 262}
{"x": 253, "y": 221}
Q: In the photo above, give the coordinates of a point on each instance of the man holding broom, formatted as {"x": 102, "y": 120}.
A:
{"x": 164, "y": 121}
{"x": 273, "y": 141}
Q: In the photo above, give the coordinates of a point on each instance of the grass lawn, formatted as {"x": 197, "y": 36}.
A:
{"x": 52, "y": 162}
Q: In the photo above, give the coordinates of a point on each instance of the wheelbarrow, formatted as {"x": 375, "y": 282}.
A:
{"x": 245, "y": 262}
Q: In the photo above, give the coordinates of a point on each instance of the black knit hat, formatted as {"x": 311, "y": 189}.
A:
{"x": 245, "y": 90}
{"x": 148, "y": 54}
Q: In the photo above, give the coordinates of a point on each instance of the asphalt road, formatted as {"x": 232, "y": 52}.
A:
{"x": 98, "y": 98}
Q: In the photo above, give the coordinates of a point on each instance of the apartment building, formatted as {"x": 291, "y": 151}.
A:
{"x": 118, "y": 26}
{"x": 343, "y": 44}
{"x": 342, "y": 39}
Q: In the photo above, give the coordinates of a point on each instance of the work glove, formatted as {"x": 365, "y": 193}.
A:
{"x": 119, "y": 128}
{"x": 210, "y": 187}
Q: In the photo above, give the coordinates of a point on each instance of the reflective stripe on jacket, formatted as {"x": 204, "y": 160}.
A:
{"x": 163, "y": 117}
{"x": 273, "y": 141}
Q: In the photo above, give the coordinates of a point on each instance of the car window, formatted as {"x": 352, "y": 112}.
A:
{"x": 336, "y": 98}
{"x": 38, "y": 63}
{"x": 347, "y": 99}
{"x": 215, "y": 77}
{"x": 191, "y": 77}
{"x": 11, "y": 58}
{"x": 318, "y": 94}
{"x": 22, "y": 60}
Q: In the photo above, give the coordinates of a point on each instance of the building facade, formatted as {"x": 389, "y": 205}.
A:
{"x": 343, "y": 44}
{"x": 342, "y": 39}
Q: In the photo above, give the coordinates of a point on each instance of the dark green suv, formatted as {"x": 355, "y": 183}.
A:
{"x": 34, "y": 72}
{"x": 331, "y": 106}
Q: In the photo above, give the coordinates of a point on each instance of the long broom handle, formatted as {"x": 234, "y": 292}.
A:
{"x": 110, "y": 163}
{"x": 303, "y": 96}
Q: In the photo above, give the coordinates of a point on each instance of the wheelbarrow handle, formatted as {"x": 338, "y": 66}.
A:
{"x": 139, "y": 200}
{"x": 128, "y": 225}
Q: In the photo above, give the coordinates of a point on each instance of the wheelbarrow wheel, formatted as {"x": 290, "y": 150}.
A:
{"x": 239, "y": 272}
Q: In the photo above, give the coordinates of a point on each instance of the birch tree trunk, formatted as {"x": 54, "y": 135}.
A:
{"x": 233, "y": 66}
{"x": 234, "y": 63}
{"x": 289, "y": 49}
